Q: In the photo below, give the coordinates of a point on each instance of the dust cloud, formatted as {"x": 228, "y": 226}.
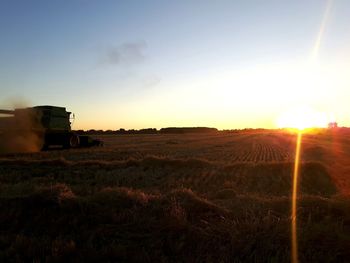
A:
{"x": 20, "y": 131}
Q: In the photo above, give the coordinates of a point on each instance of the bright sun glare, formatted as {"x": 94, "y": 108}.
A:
{"x": 302, "y": 118}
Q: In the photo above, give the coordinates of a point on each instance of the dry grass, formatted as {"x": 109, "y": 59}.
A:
{"x": 177, "y": 198}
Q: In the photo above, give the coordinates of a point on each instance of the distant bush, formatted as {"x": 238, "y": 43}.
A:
{"x": 174, "y": 130}
{"x": 188, "y": 130}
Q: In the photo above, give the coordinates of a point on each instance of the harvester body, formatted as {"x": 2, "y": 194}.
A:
{"x": 51, "y": 125}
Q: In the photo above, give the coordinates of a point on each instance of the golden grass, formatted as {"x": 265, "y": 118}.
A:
{"x": 206, "y": 198}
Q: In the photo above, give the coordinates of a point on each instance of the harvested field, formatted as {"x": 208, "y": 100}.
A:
{"x": 216, "y": 197}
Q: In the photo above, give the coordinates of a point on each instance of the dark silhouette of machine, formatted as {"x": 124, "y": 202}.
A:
{"x": 50, "y": 124}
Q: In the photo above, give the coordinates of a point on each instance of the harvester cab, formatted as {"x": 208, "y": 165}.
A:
{"x": 51, "y": 124}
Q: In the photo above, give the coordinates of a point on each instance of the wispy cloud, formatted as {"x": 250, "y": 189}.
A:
{"x": 129, "y": 53}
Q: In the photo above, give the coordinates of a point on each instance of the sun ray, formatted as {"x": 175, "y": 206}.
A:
{"x": 320, "y": 34}
{"x": 294, "y": 240}
{"x": 294, "y": 232}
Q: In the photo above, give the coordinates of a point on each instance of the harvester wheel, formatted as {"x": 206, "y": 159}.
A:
{"x": 44, "y": 147}
{"x": 74, "y": 141}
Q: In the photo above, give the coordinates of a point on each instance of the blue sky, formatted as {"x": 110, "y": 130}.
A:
{"x": 137, "y": 64}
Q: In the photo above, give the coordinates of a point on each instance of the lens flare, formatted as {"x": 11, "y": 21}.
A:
{"x": 302, "y": 122}
{"x": 320, "y": 34}
{"x": 294, "y": 239}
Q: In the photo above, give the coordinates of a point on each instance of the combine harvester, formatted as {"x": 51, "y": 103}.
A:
{"x": 50, "y": 125}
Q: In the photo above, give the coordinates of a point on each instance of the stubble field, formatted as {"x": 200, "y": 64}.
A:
{"x": 215, "y": 197}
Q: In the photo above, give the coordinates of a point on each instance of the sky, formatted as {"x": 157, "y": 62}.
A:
{"x": 140, "y": 64}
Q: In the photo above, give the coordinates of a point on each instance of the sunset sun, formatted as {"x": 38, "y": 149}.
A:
{"x": 302, "y": 118}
